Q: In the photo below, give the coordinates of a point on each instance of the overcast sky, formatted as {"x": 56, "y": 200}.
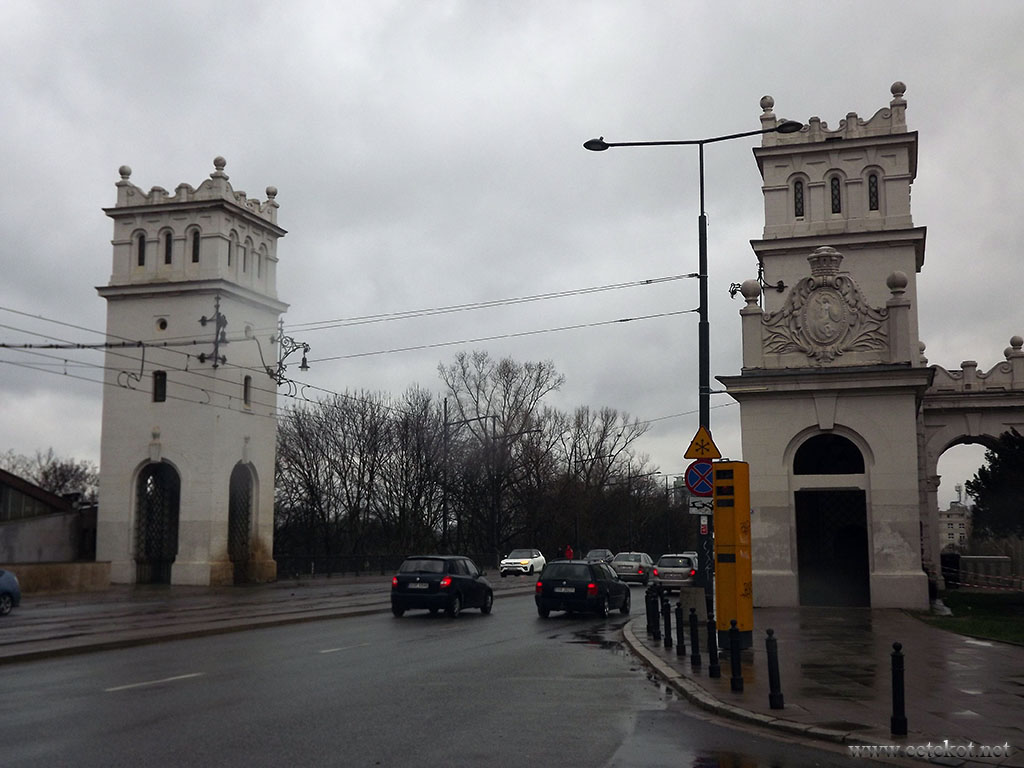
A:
{"x": 429, "y": 154}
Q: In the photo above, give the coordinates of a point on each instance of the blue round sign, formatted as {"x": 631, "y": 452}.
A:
{"x": 700, "y": 478}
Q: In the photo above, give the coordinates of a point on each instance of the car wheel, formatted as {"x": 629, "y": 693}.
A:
{"x": 602, "y": 606}
{"x": 503, "y": 574}
{"x": 454, "y": 607}
{"x": 626, "y": 603}
{"x": 6, "y": 604}
{"x": 531, "y": 570}
{"x": 488, "y": 602}
{"x": 543, "y": 612}
{"x": 397, "y": 610}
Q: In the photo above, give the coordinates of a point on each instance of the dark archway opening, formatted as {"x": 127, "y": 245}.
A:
{"x": 832, "y": 548}
{"x": 240, "y": 522}
{"x": 157, "y": 500}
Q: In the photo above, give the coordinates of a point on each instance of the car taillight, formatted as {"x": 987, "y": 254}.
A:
{"x": 654, "y": 571}
{"x": 640, "y": 571}
{"x": 540, "y": 587}
{"x": 445, "y": 582}
{"x": 394, "y": 582}
{"x": 693, "y": 572}
{"x": 591, "y": 589}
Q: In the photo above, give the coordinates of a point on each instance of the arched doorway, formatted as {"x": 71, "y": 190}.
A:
{"x": 831, "y": 526}
{"x": 157, "y": 497}
{"x": 240, "y": 521}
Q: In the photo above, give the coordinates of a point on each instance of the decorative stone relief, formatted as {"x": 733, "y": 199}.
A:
{"x": 825, "y": 315}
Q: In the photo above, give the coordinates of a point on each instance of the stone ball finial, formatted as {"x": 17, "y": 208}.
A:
{"x": 1014, "y": 350}
{"x": 1016, "y": 342}
{"x": 751, "y": 290}
{"x": 271, "y": 192}
{"x": 897, "y": 281}
{"x": 767, "y": 103}
{"x": 219, "y": 163}
{"x": 125, "y": 171}
{"x": 898, "y": 89}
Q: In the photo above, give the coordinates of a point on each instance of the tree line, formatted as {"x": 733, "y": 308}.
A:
{"x": 483, "y": 467}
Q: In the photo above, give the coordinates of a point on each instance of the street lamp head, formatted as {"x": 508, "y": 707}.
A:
{"x": 596, "y": 145}
{"x": 788, "y": 126}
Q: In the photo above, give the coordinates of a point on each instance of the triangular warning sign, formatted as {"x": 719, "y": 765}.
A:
{"x": 702, "y": 446}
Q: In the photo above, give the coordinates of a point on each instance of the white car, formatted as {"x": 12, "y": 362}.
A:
{"x": 522, "y": 561}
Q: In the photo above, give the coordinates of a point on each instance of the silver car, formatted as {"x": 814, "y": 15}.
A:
{"x": 672, "y": 572}
{"x": 633, "y": 566}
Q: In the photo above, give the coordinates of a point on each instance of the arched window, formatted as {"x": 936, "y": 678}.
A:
{"x": 837, "y": 194}
{"x": 873, "y": 192}
{"x": 140, "y": 248}
{"x": 259, "y": 266}
{"x": 159, "y": 386}
{"x": 798, "y": 199}
{"x": 195, "y": 246}
{"x": 247, "y": 390}
{"x": 828, "y": 454}
{"x": 168, "y": 246}
{"x": 245, "y": 258}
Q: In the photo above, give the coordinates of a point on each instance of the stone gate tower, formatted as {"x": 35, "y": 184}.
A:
{"x": 833, "y": 375}
{"x": 189, "y": 412}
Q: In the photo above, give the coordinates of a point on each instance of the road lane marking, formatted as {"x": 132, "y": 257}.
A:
{"x": 344, "y": 648}
{"x": 153, "y": 682}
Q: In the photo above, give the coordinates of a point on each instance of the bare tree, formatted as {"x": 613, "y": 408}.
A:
{"x": 54, "y": 474}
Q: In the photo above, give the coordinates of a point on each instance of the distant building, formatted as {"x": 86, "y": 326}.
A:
{"x": 955, "y": 527}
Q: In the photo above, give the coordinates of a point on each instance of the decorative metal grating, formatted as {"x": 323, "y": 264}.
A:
{"x": 157, "y": 501}
{"x": 240, "y": 521}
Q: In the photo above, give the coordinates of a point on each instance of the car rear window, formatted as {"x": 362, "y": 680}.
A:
{"x": 518, "y": 553}
{"x": 566, "y": 571}
{"x": 627, "y": 558}
{"x": 675, "y": 562}
{"x": 422, "y": 565}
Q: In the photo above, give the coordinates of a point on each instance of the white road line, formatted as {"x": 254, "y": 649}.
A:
{"x": 344, "y": 648}
{"x": 153, "y": 682}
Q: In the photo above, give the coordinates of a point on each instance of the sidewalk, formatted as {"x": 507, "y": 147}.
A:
{"x": 836, "y": 680}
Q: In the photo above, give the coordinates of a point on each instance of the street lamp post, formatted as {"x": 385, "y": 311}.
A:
{"x": 703, "y": 331}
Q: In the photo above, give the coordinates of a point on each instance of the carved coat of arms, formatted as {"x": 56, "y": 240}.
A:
{"x": 825, "y": 315}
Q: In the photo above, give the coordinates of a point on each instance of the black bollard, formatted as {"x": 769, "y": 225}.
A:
{"x": 714, "y": 669}
{"x": 666, "y": 611}
{"x": 898, "y": 722}
{"x": 694, "y": 640}
{"x": 656, "y": 603}
{"x": 774, "y": 685}
{"x": 649, "y": 604}
{"x": 736, "y": 681}
{"x": 680, "y": 632}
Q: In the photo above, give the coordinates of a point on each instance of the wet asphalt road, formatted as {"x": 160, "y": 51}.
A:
{"x": 507, "y": 689}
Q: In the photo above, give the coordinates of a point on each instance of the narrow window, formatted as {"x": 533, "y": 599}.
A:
{"x": 247, "y": 390}
{"x": 231, "y": 251}
{"x": 873, "y": 192}
{"x": 168, "y": 244}
{"x": 141, "y": 247}
{"x": 159, "y": 386}
{"x": 259, "y": 265}
{"x": 798, "y": 199}
{"x": 245, "y": 258}
{"x": 195, "y": 246}
{"x": 837, "y": 201}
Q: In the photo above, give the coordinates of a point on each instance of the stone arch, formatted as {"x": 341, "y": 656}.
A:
{"x": 828, "y": 475}
{"x": 157, "y": 509}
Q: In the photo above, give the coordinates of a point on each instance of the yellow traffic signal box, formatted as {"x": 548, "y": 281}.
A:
{"x": 734, "y": 586}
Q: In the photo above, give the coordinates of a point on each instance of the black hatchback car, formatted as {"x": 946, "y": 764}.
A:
{"x": 440, "y": 582}
{"x": 574, "y": 585}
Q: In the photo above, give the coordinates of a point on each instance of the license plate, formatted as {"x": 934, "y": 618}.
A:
{"x": 565, "y": 590}
{"x": 418, "y": 585}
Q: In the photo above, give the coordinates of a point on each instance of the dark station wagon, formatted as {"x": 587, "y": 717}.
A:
{"x": 578, "y": 586}
{"x": 440, "y": 582}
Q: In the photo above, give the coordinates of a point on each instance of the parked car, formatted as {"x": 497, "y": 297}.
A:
{"x": 633, "y": 566}
{"x": 672, "y": 572}
{"x": 10, "y": 592}
{"x": 440, "y": 582}
{"x": 600, "y": 555}
{"x": 522, "y": 561}
{"x": 578, "y": 585}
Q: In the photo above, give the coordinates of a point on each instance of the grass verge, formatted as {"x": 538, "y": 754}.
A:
{"x": 990, "y": 615}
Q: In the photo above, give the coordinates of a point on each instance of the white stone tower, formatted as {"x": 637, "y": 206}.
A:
{"x": 189, "y": 411}
{"x": 833, "y": 376}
